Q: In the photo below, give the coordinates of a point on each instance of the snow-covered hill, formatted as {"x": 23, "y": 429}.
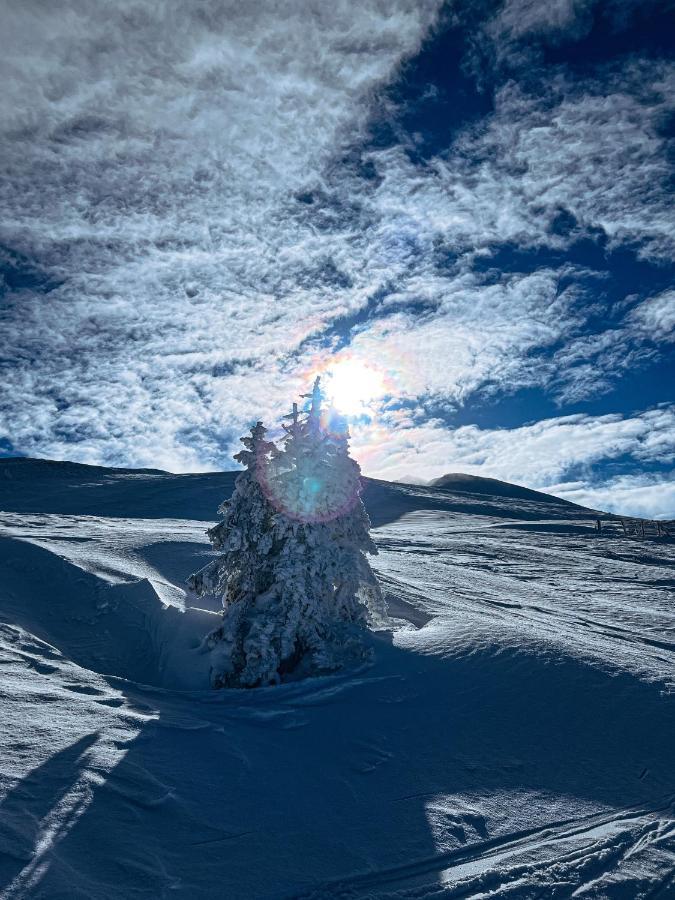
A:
{"x": 513, "y": 737}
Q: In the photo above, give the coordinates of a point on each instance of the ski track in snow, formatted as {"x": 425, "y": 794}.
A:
{"x": 512, "y": 737}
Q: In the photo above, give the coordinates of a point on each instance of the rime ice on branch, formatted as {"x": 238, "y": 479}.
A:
{"x": 296, "y": 586}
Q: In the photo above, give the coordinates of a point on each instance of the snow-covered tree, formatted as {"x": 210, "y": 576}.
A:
{"x": 244, "y": 570}
{"x": 296, "y": 585}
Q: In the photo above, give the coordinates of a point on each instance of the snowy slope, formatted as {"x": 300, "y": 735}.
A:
{"x": 513, "y": 737}
{"x": 476, "y": 484}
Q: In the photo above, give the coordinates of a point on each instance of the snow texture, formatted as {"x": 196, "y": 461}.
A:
{"x": 511, "y": 737}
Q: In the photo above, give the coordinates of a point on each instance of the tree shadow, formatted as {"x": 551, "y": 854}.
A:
{"x": 26, "y": 813}
{"x": 370, "y": 780}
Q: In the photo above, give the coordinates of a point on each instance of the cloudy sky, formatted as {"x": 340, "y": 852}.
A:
{"x": 467, "y": 207}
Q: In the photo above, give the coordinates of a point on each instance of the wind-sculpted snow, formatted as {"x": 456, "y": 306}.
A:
{"x": 513, "y": 737}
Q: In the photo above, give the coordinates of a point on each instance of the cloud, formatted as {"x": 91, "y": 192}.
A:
{"x": 194, "y": 214}
{"x": 538, "y": 455}
{"x": 476, "y": 336}
{"x": 656, "y": 317}
{"x": 590, "y": 364}
{"x": 513, "y": 32}
{"x": 592, "y": 149}
{"x": 150, "y": 156}
{"x": 593, "y": 152}
{"x": 642, "y": 496}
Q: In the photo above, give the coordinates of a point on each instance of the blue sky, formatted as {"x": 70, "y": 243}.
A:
{"x": 205, "y": 204}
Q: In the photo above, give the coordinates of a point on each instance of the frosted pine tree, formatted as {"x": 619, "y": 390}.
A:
{"x": 244, "y": 571}
{"x": 298, "y": 599}
{"x": 356, "y": 581}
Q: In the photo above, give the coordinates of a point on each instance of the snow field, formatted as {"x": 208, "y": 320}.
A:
{"x": 513, "y": 737}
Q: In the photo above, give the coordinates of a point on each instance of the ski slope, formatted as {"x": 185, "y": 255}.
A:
{"x": 512, "y": 737}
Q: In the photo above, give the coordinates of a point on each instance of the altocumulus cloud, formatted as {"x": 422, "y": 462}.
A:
{"x": 199, "y": 204}
{"x": 150, "y": 151}
{"x": 537, "y": 454}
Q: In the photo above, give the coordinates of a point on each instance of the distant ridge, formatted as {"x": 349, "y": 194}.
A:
{"x": 458, "y": 482}
{"x": 28, "y": 466}
{"x": 411, "y": 479}
{"x": 68, "y": 488}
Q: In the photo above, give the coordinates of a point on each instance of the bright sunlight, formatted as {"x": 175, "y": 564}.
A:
{"x": 352, "y": 386}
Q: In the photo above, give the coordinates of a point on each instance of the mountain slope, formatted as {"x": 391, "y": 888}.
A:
{"x": 458, "y": 482}
{"x": 38, "y": 485}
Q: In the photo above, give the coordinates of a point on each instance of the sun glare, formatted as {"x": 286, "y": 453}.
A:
{"x": 352, "y": 387}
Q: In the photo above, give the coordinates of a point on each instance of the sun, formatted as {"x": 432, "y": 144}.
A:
{"x": 353, "y": 386}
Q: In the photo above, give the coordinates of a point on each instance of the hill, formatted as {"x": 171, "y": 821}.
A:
{"x": 457, "y": 482}
{"x": 39, "y": 485}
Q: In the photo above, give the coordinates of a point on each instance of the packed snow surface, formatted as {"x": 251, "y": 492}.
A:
{"x": 513, "y": 736}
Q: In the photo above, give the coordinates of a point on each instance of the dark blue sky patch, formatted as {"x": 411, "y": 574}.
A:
{"x": 522, "y": 407}
{"x": 7, "y": 448}
{"x": 18, "y": 272}
{"x": 612, "y": 274}
{"x": 434, "y": 96}
{"x": 611, "y": 467}
{"x": 617, "y": 29}
{"x": 629, "y": 391}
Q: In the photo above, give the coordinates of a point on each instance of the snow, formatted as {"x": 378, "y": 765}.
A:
{"x": 512, "y": 737}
